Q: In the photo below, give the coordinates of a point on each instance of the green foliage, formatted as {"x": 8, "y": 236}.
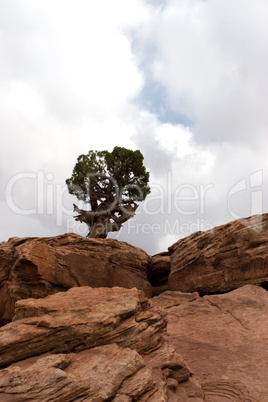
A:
{"x": 109, "y": 177}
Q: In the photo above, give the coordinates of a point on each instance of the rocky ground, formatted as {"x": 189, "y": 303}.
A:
{"x": 100, "y": 320}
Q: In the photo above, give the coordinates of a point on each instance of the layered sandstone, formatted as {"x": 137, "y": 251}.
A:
{"x": 96, "y": 374}
{"x": 221, "y": 259}
{"x": 71, "y": 342}
{"x": 223, "y": 338}
{"x": 112, "y": 344}
{"x": 37, "y": 267}
{"x": 79, "y": 319}
{"x": 92, "y": 345}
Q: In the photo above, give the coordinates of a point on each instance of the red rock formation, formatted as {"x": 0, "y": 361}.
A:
{"x": 218, "y": 260}
{"x": 223, "y": 338}
{"x": 86, "y": 344}
{"x": 92, "y": 375}
{"x": 221, "y": 259}
{"x": 95, "y": 343}
{"x": 79, "y": 319}
{"x": 37, "y": 267}
{"x": 111, "y": 344}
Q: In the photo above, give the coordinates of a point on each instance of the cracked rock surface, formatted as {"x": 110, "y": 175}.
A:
{"x": 221, "y": 259}
{"x": 114, "y": 344}
{"x": 92, "y": 344}
{"x": 79, "y": 319}
{"x": 223, "y": 338}
{"x": 61, "y": 340}
{"x": 38, "y": 267}
{"x": 95, "y": 374}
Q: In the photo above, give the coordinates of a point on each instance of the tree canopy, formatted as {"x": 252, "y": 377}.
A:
{"x": 111, "y": 183}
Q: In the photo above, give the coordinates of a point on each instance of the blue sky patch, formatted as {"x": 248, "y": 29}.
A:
{"x": 153, "y": 98}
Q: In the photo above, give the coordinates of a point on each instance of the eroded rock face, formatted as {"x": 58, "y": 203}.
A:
{"x": 79, "y": 319}
{"x": 174, "y": 379}
{"x": 97, "y": 344}
{"x": 37, "y": 267}
{"x": 221, "y": 259}
{"x": 99, "y": 374}
{"x": 92, "y": 345}
{"x": 109, "y": 343}
{"x": 223, "y": 338}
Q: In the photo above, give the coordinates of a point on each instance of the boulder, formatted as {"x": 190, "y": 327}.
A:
{"x": 223, "y": 339}
{"x": 221, "y": 259}
{"x": 37, "y": 267}
{"x": 92, "y": 344}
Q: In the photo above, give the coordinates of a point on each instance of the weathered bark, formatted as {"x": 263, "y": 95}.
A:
{"x": 106, "y": 217}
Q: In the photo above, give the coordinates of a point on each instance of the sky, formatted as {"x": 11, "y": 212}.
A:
{"x": 183, "y": 81}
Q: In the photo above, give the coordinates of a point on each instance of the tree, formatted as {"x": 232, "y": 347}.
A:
{"x": 112, "y": 183}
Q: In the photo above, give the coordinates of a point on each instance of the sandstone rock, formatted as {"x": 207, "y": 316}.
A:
{"x": 173, "y": 376}
{"x": 37, "y": 267}
{"x": 6, "y": 303}
{"x": 221, "y": 259}
{"x": 79, "y": 319}
{"x": 83, "y": 345}
{"x": 102, "y": 373}
{"x": 223, "y": 338}
{"x": 96, "y": 344}
{"x": 98, "y": 374}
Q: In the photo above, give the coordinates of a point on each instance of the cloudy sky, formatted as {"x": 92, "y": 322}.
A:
{"x": 184, "y": 81}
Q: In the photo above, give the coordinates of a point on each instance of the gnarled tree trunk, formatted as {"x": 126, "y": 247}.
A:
{"x": 105, "y": 219}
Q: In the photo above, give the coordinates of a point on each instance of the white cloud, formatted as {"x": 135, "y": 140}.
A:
{"x": 67, "y": 74}
{"x": 23, "y": 100}
{"x": 212, "y": 61}
{"x": 69, "y": 79}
